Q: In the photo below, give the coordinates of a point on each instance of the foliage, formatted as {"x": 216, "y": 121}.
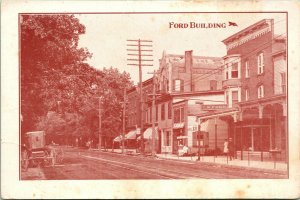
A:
{"x": 59, "y": 91}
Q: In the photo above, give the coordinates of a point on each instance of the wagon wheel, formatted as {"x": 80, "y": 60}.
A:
{"x": 60, "y": 156}
{"x": 52, "y": 157}
{"x": 24, "y": 160}
{"x": 47, "y": 159}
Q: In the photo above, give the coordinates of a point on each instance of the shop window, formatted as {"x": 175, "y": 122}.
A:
{"x": 234, "y": 70}
{"x": 247, "y": 71}
{"x": 260, "y": 91}
{"x": 260, "y": 63}
{"x": 167, "y": 138}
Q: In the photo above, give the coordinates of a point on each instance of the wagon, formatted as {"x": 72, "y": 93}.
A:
{"x": 36, "y": 153}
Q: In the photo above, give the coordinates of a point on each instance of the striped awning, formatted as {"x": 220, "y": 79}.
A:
{"x": 178, "y": 125}
{"x": 182, "y": 137}
{"x": 118, "y": 138}
{"x": 148, "y": 133}
{"x": 131, "y": 135}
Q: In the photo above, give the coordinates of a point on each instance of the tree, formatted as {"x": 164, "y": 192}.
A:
{"x": 49, "y": 51}
{"x": 58, "y": 89}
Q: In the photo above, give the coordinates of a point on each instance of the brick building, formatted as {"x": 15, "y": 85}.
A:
{"x": 187, "y": 84}
{"x": 134, "y": 114}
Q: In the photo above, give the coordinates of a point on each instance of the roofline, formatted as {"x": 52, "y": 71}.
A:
{"x": 225, "y": 41}
{"x": 204, "y": 57}
{"x": 197, "y": 93}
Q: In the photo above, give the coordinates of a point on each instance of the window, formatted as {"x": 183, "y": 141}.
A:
{"x": 156, "y": 113}
{"x": 234, "y": 70}
{"x": 213, "y": 85}
{"x": 182, "y": 114}
{"x": 177, "y": 115}
{"x": 150, "y": 115}
{"x": 227, "y": 98}
{"x": 178, "y": 85}
{"x": 162, "y": 112}
{"x": 247, "y": 69}
{"x": 226, "y": 72}
{"x": 283, "y": 82}
{"x": 260, "y": 63}
{"x": 169, "y": 110}
{"x": 167, "y": 138}
{"x": 246, "y": 94}
{"x": 235, "y": 98}
{"x": 260, "y": 91}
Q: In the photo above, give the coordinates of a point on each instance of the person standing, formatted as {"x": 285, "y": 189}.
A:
{"x": 225, "y": 150}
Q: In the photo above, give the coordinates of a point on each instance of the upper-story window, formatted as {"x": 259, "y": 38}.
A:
{"x": 213, "y": 84}
{"x": 260, "y": 63}
{"x": 169, "y": 110}
{"x": 260, "y": 91}
{"x": 156, "y": 113}
{"x": 226, "y": 72}
{"x": 283, "y": 82}
{"x": 234, "y": 70}
{"x": 178, "y": 85}
{"x": 179, "y": 115}
{"x": 150, "y": 113}
{"x": 162, "y": 111}
{"x": 176, "y": 115}
{"x": 246, "y": 94}
{"x": 235, "y": 97}
{"x": 247, "y": 70}
{"x": 182, "y": 114}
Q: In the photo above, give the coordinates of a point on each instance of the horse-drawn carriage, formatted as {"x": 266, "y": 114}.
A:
{"x": 35, "y": 152}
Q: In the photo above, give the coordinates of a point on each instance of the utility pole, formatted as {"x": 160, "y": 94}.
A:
{"x": 138, "y": 58}
{"x": 100, "y": 123}
{"x": 153, "y": 152}
{"x": 124, "y": 110}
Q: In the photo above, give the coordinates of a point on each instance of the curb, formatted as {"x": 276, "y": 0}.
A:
{"x": 275, "y": 171}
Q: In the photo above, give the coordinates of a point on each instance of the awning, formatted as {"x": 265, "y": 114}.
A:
{"x": 118, "y": 139}
{"x": 178, "y": 125}
{"x": 148, "y": 133}
{"x": 182, "y": 137}
{"x": 131, "y": 135}
{"x": 204, "y": 126}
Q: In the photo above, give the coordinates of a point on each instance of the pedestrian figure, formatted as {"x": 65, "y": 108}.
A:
{"x": 230, "y": 149}
{"x": 225, "y": 151}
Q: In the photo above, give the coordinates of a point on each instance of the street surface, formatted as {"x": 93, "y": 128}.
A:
{"x": 83, "y": 164}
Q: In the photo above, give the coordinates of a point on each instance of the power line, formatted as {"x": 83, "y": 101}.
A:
{"x": 137, "y": 59}
{"x": 233, "y": 61}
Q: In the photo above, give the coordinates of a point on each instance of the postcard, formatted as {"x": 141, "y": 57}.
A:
{"x": 150, "y": 99}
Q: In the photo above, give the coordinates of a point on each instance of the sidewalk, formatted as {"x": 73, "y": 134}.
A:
{"x": 268, "y": 165}
{"x": 220, "y": 160}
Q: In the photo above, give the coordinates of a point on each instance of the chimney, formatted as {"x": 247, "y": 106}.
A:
{"x": 188, "y": 61}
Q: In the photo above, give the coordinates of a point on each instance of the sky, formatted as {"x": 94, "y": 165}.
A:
{"x": 106, "y": 36}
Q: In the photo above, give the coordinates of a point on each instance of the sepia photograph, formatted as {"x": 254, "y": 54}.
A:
{"x": 100, "y": 104}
